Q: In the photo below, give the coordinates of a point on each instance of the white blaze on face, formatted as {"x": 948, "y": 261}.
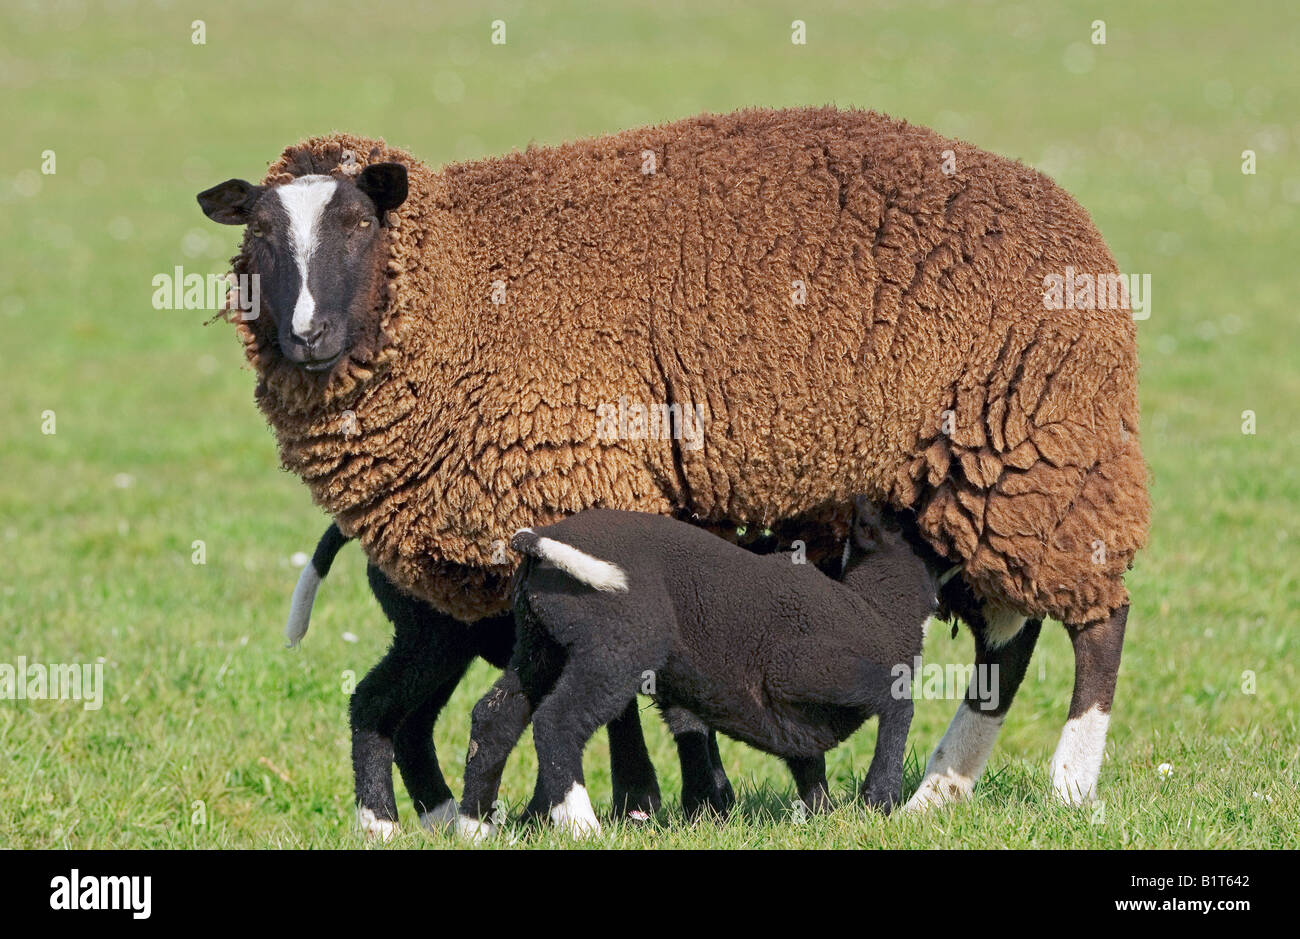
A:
{"x": 304, "y": 202}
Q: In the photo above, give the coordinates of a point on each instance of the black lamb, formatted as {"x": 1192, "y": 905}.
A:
{"x": 434, "y": 649}
{"x": 773, "y": 653}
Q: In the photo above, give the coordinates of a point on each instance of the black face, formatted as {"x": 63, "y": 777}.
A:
{"x": 873, "y": 525}
{"x": 313, "y": 245}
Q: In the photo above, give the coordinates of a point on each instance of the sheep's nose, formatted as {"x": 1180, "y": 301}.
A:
{"x": 312, "y": 335}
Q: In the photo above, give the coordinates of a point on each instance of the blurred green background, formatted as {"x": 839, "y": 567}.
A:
{"x": 212, "y": 735}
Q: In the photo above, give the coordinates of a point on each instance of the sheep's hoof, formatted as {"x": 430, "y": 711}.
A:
{"x": 575, "y": 815}
{"x": 1072, "y": 789}
{"x": 441, "y": 817}
{"x": 374, "y": 827}
{"x": 474, "y": 830}
{"x": 938, "y": 790}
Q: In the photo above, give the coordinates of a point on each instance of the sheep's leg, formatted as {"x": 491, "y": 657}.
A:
{"x": 704, "y": 780}
{"x": 1078, "y": 756}
{"x": 1004, "y": 644}
{"x": 636, "y": 789}
{"x": 810, "y": 779}
{"x": 883, "y": 787}
{"x": 583, "y": 699}
{"x": 452, "y": 647}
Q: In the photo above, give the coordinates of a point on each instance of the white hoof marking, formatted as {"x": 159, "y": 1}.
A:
{"x": 575, "y": 814}
{"x": 958, "y": 761}
{"x": 440, "y": 817}
{"x": 375, "y": 827}
{"x": 475, "y": 830}
{"x": 1077, "y": 760}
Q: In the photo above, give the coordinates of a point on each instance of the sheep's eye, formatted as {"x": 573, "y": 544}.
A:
{"x": 257, "y": 231}
{"x": 364, "y": 223}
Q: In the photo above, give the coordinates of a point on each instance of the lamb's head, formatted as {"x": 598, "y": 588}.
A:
{"x": 314, "y": 245}
{"x": 886, "y": 556}
{"x": 876, "y": 530}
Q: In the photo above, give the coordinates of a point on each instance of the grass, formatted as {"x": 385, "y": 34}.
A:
{"x": 212, "y": 735}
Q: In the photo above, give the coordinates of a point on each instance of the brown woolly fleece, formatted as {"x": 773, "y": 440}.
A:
{"x": 811, "y": 279}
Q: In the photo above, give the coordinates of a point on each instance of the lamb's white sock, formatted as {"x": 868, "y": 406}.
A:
{"x": 440, "y": 816}
{"x": 375, "y": 827}
{"x": 575, "y": 814}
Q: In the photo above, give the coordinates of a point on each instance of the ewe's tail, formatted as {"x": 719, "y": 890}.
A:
{"x": 579, "y": 565}
{"x": 304, "y": 595}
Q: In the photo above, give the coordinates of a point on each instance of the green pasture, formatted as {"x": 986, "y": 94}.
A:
{"x": 211, "y": 734}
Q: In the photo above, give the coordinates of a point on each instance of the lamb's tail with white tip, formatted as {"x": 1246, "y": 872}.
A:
{"x": 595, "y": 573}
{"x": 304, "y": 594}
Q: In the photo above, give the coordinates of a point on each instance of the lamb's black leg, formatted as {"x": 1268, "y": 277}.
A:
{"x": 704, "y": 781}
{"x": 724, "y": 795}
{"x": 697, "y": 772}
{"x": 810, "y": 779}
{"x": 627, "y": 752}
{"x": 428, "y": 656}
{"x": 636, "y": 790}
{"x": 499, "y": 718}
{"x": 537, "y": 806}
{"x": 417, "y": 760}
{"x": 883, "y": 787}
{"x": 586, "y": 696}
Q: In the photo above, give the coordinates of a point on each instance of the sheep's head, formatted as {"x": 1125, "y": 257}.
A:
{"x": 314, "y": 245}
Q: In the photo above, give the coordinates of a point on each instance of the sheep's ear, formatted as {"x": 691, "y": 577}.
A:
{"x": 231, "y": 202}
{"x": 385, "y": 184}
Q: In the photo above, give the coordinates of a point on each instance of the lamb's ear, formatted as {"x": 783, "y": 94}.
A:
{"x": 231, "y": 202}
{"x": 385, "y": 184}
{"x": 866, "y": 524}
